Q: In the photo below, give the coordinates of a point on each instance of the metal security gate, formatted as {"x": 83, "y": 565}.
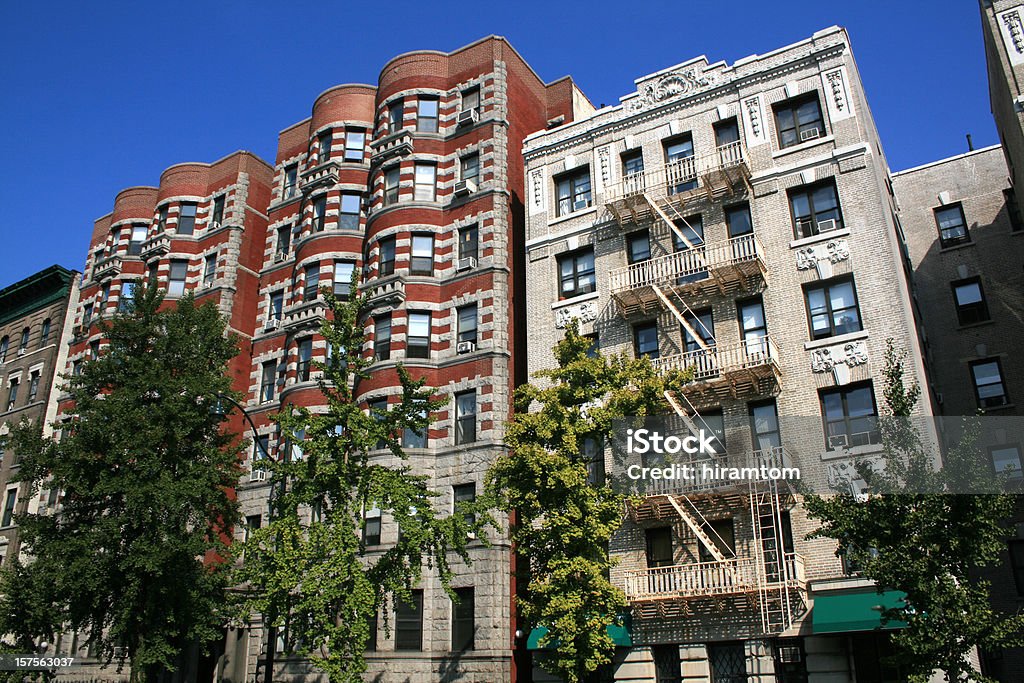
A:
{"x": 728, "y": 663}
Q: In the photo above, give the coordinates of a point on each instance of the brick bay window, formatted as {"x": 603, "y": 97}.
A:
{"x": 217, "y": 217}
{"x": 187, "y": 218}
{"x": 469, "y": 238}
{"x": 799, "y": 120}
{"x": 850, "y": 416}
{"x": 320, "y": 213}
{"x": 573, "y": 191}
{"x": 312, "y": 287}
{"x": 391, "y": 180}
{"x": 176, "y": 281}
{"x": 576, "y": 273}
{"x": 323, "y": 144}
{"x": 382, "y": 337}
{"x": 386, "y": 257}
{"x": 138, "y": 237}
{"x": 425, "y": 182}
{"x": 427, "y": 114}
{"x": 396, "y": 115}
{"x": 815, "y": 209}
{"x": 268, "y": 381}
{"x": 355, "y": 144}
{"x": 832, "y": 308}
{"x": 291, "y": 176}
{"x": 349, "y": 215}
{"x": 422, "y": 262}
{"x": 343, "y": 278}
{"x": 305, "y": 358}
{"x": 417, "y": 343}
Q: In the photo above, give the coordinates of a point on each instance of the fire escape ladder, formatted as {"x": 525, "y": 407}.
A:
{"x": 699, "y": 526}
{"x": 660, "y": 212}
{"x": 682, "y": 318}
{"x": 688, "y": 414}
{"x": 773, "y": 580}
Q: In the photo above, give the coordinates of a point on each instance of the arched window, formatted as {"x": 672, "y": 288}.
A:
{"x": 44, "y": 336}
{"x": 4, "y": 343}
{"x": 24, "y": 341}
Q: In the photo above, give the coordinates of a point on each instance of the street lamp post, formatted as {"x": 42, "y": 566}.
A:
{"x": 219, "y": 410}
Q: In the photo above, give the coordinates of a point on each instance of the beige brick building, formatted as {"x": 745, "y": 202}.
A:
{"x": 737, "y": 220}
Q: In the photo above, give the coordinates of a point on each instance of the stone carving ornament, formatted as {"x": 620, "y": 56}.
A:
{"x": 585, "y": 312}
{"x": 835, "y": 251}
{"x": 753, "y": 105}
{"x": 1014, "y": 26}
{"x": 675, "y": 84}
{"x": 851, "y": 355}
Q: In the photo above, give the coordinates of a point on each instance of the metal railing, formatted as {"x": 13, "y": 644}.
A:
{"x": 704, "y": 579}
{"x": 690, "y": 264}
{"x": 719, "y": 359}
{"x": 674, "y": 175}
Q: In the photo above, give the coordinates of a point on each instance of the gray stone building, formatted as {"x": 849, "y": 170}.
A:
{"x": 35, "y": 329}
{"x": 738, "y": 221}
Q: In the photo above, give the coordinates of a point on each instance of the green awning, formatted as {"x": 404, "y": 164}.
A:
{"x": 618, "y": 632}
{"x": 860, "y": 610}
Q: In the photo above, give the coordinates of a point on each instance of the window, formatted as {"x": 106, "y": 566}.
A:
{"x": 320, "y": 213}
{"x": 218, "y": 211}
{"x": 355, "y": 144}
{"x": 790, "y": 660}
{"x": 1016, "y": 561}
{"x": 115, "y": 239}
{"x": 645, "y": 340}
{"x": 276, "y": 305}
{"x": 1006, "y": 460}
{"x": 632, "y": 163}
{"x": 638, "y": 246}
{"x": 753, "y": 328}
{"x": 343, "y": 271}
{"x": 467, "y": 324}
{"x": 727, "y": 132}
{"x": 952, "y": 225}
{"x": 737, "y": 218}
{"x": 470, "y": 168}
{"x": 305, "y": 358}
{"x": 268, "y": 382}
{"x": 209, "y": 269}
{"x": 815, "y": 209}
{"x": 659, "y": 547}
{"x": 798, "y": 120}
{"x": 970, "y": 301}
{"x": 832, "y": 308}
{"x": 422, "y": 255}
{"x": 396, "y": 115}
{"x": 427, "y": 114}
{"x": 464, "y": 493}
{"x": 703, "y": 323}
{"x": 465, "y": 417}
{"x": 9, "y": 503}
{"x": 187, "y": 218}
{"x": 425, "y": 182}
{"x": 350, "y": 206}
{"x": 471, "y": 99}
{"x": 94, "y": 349}
{"x": 418, "y": 336}
{"x": 989, "y": 388}
{"x": 23, "y": 345}
{"x": 667, "y": 666}
{"x": 382, "y": 337}
{"x": 151, "y": 274}
{"x": 291, "y": 176}
{"x": 323, "y": 143}
{"x": 409, "y": 622}
{"x": 12, "y": 395}
{"x": 76, "y": 368}
{"x": 468, "y": 241}
{"x": 371, "y": 640}
{"x": 138, "y": 237}
{"x": 261, "y": 451}
{"x": 371, "y": 526}
{"x": 86, "y": 319}
{"x": 161, "y": 221}
{"x": 573, "y": 191}
{"x": 127, "y": 296}
{"x": 44, "y": 334}
{"x": 386, "y": 259}
{"x": 576, "y": 273}
{"x": 850, "y": 416}
{"x": 105, "y": 294}
{"x": 415, "y": 438}
{"x": 33, "y": 385}
{"x": 284, "y": 240}
{"x": 764, "y": 425}
{"x": 391, "y": 180}
{"x": 592, "y": 452}
{"x": 463, "y": 622}
{"x": 714, "y": 421}
{"x": 680, "y": 169}
{"x": 176, "y": 282}
{"x": 5, "y": 343}
{"x": 595, "y": 345}
{"x": 723, "y": 535}
{"x": 312, "y": 287}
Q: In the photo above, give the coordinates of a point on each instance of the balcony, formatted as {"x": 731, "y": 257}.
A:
{"x": 723, "y": 173}
{"x": 724, "y": 268}
{"x": 388, "y": 293}
{"x": 396, "y": 144}
{"x": 107, "y": 268}
{"x": 732, "y": 577}
{"x": 156, "y": 246}
{"x": 749, "y": 368}
{"x": 305, "y": 315}
{"x": 326, "y": 175}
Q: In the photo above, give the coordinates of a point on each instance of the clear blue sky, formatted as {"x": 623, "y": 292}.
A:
{"x": 99, "y": 96}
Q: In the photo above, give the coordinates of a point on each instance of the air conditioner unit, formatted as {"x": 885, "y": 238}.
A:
{"x": 837, "y": 442}
{"x": 468, "y": 117}
{"x": 464, "y": 188}
{"x": 810, "y": 134}
{"x": 470, "y": 536}
{"x": 214, "y": 225}
{"x": 278, "y": 257}
{"x": 258, "y": 475}
{"x": 827, "y": 225}
{"x": 468, "y": 263}
{"x": 465, "y": 347}
{"x": 581, "y": 204}
{"x": 273, "y": 324}
{"x": 22, "y": 351}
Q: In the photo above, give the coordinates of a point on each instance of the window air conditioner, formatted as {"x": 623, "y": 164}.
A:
{"x": 810, "y": 134}
{"x": 273, "y": 324}
{"x": 837, "y": 442}
{"x": 258, "y": 475}
{"x": 278, "y": 257}
{"x": 468, "y": 263}
{"x": 464, "y": 188}
{"x": 465, "y": 347}
{"x": 468, "y": 117}
{"x": 827, "y": 225}
{"x": 21, "y": 351}
{"x": 581, "y": 204}
{"x": 214, "y": 225}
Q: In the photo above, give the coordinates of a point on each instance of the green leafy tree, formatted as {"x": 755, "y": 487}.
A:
{"x": 308, "y": 570}
{"x": 563, "y": 521}
{"x": 914, "y": 533}
{"x": 145, "y": 471}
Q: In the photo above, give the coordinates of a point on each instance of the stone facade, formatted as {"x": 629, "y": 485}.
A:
{"x": 703, "y": 145}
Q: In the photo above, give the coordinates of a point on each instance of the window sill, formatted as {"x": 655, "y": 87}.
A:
{"x": 575, "y": 300}
{"x": 821, "y": 237}
{"x": 853, "y": 452}
{"x": 575, "y": 214}
{"x": 810, "y": 144}
{"x": 954, "y": 247}
{"x": 1006, "y": 406}
{"x": 838, "y": 339}
{"x": 981, "y": 323}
